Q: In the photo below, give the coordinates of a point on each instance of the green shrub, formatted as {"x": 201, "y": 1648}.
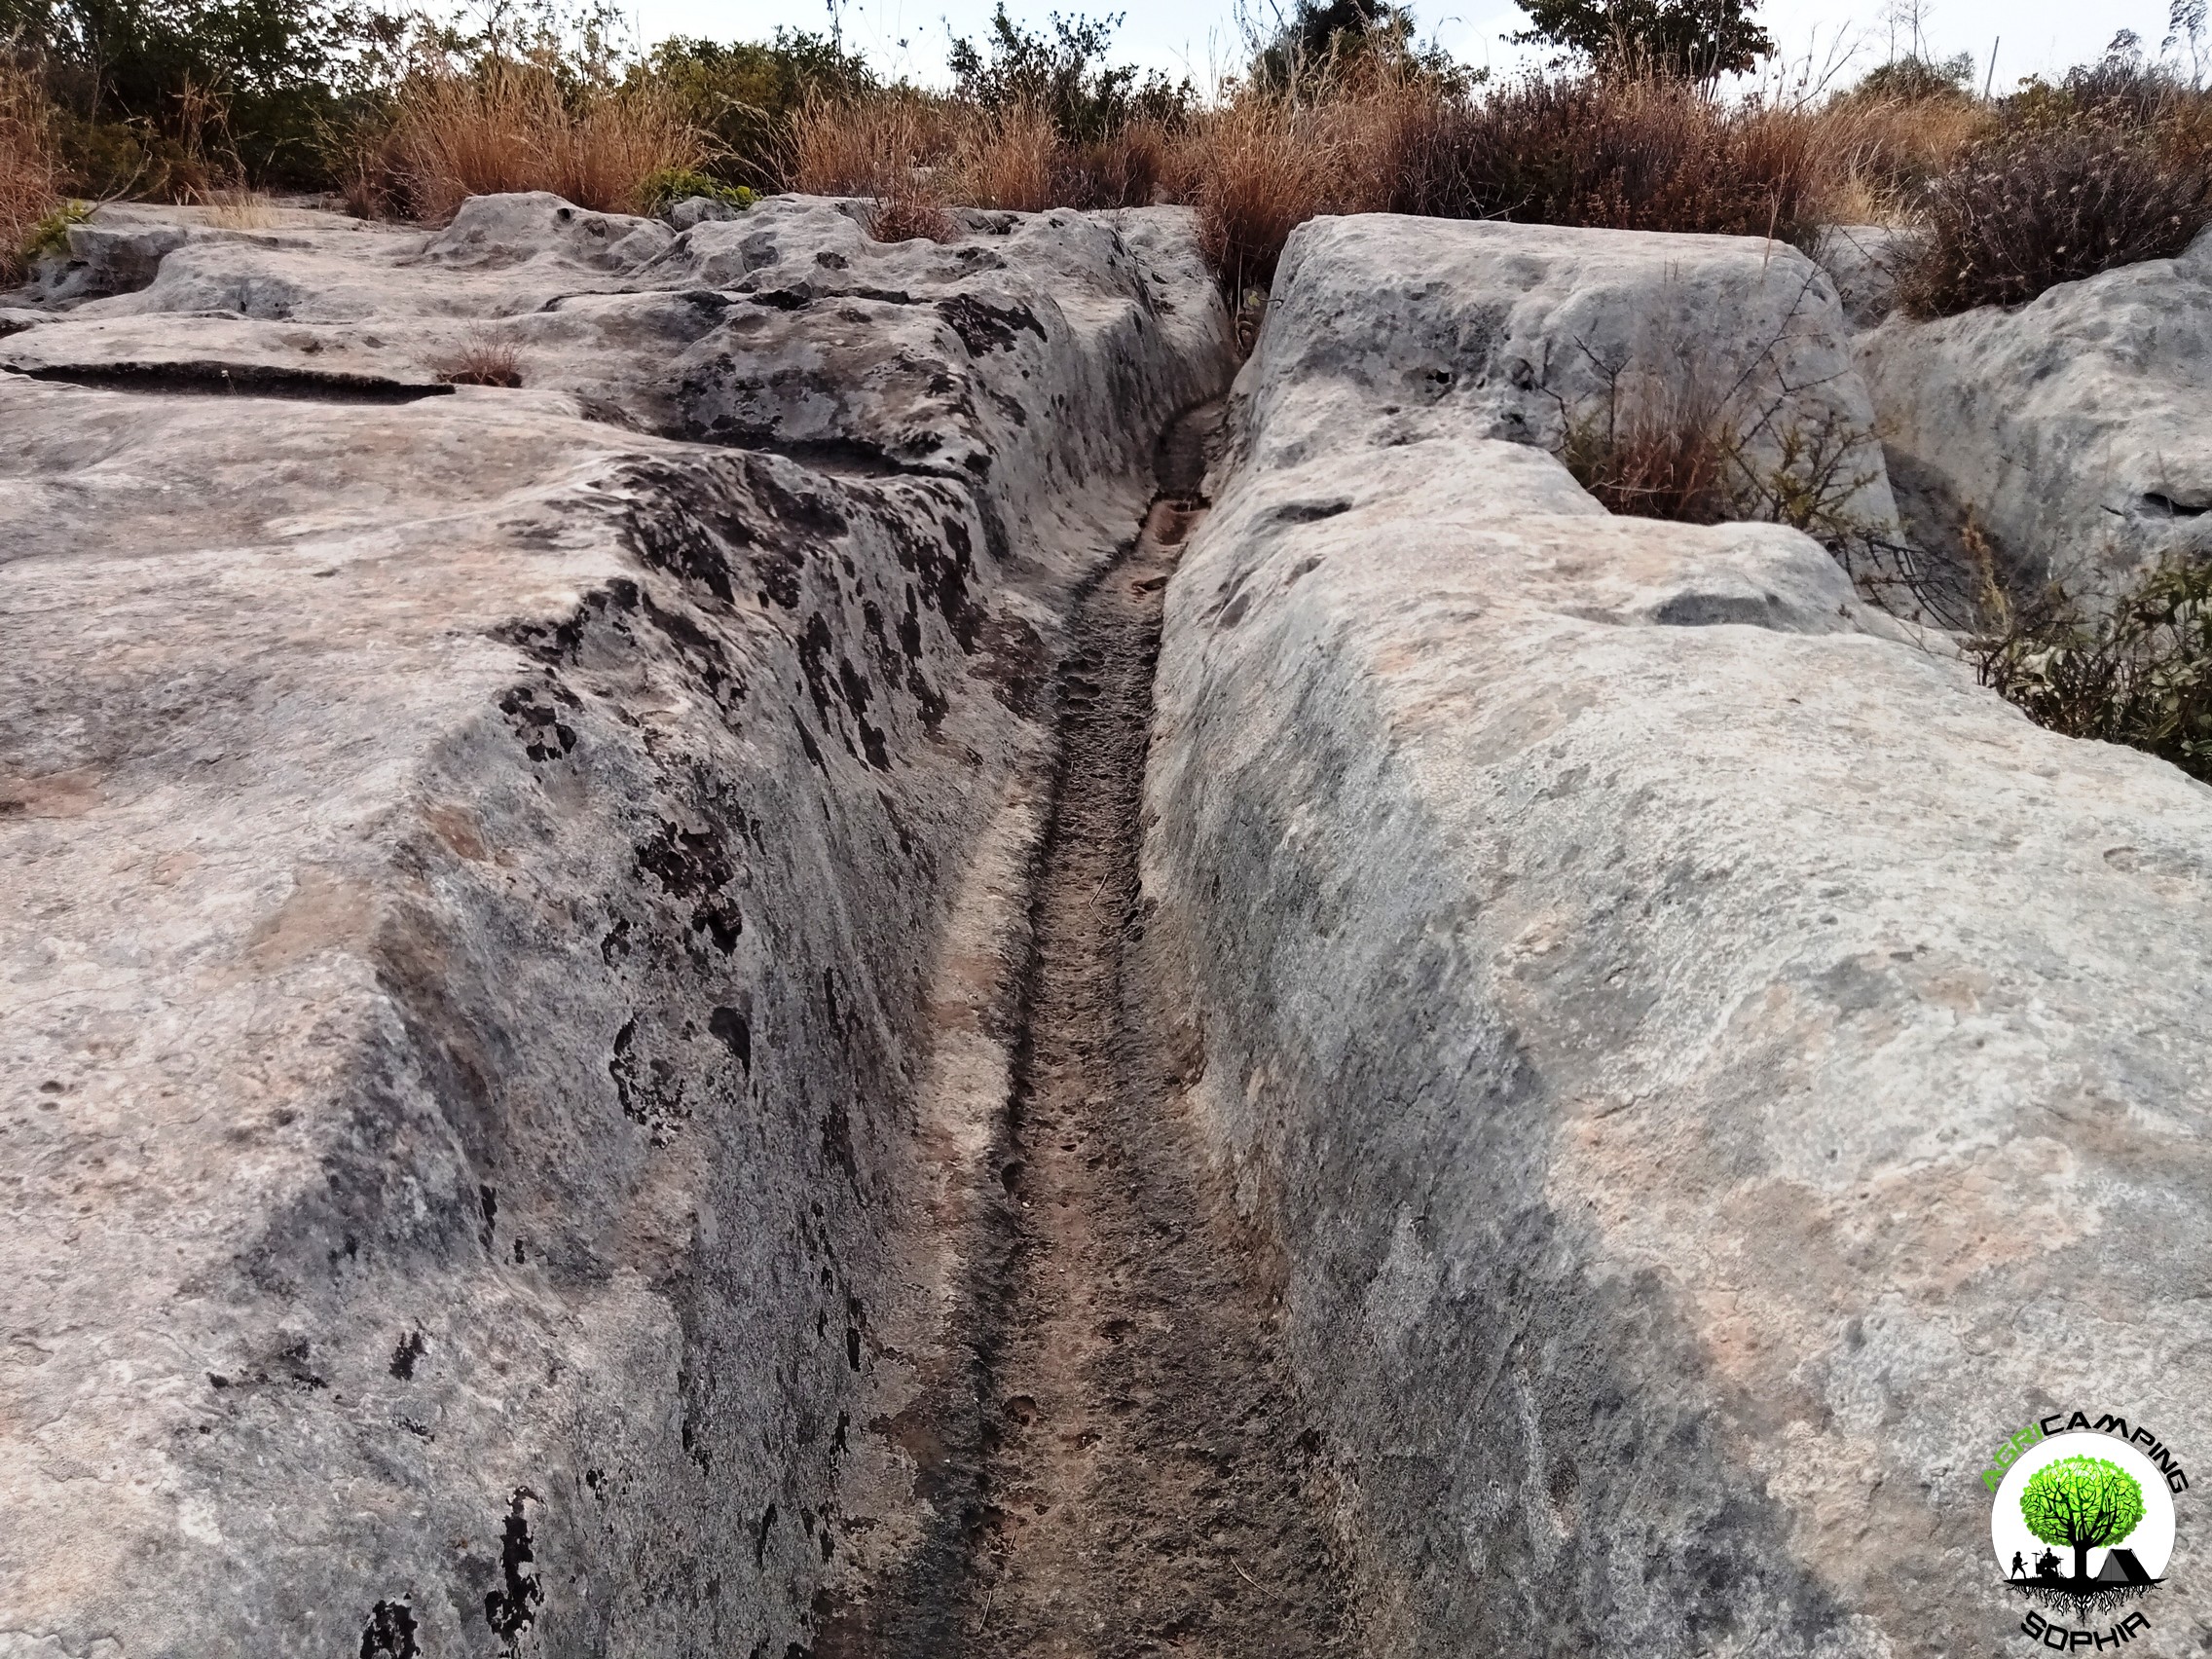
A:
{"x": 746, "y": 97}
{"x": 2140, "y": 673}
{"x": 1066, "y": 77}
{"x": 1700, "y": 40}
{"x": 666, "y": 187}
{"x": 50, "y": 235}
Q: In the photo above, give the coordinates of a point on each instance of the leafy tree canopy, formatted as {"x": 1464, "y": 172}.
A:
{"x": 2083, "y": 1504}
{"x": 1912, "y": 79}
{"x": 1699, "y": 39}
{"x": 745, "y": 93}
{"x": 1066, "y": 75}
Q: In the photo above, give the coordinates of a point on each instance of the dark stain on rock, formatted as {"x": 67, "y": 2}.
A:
{"x": 943, "y": 573}
{"x": 622, "y": 1067}
{"x": 760, "y": 1537}
{"x": 556, "y": 643}
{"x": 675, "y": 541}
{"x": 735, "y": 1032}
{"x": 615, "y": 945}
{"x": 512, "y": 1609}
{"x": 701, "y": 651}
{"x": 533, "y": 713}
{"x": 389, "y": 1633}
{"x": 488, "y": 1199}
{"x": 694, "y": 864}
{"x": 838, "y": 1142}
{"x": 985, "y": 327}
{"x": 1016, "y": 664}
{"x": 807, "y": 742}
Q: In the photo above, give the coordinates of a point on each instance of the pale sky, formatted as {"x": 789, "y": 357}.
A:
{"x": 1197, "y": 36}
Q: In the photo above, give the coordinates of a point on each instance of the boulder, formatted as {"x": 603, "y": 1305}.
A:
{"x": 1711, "y": 1071}
{"x": 2073, "y": 433}
{"x": 696, "y": 211}
{"x": 1521, "y": 332}
{"x": 510, "y": 901}
{"x": 1864, "y": 262}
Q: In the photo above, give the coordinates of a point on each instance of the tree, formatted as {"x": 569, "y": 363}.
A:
{"x": 1700, "y": 40}
{"x": 2082, "y": 1504}
{"x": 1066, "y": 76}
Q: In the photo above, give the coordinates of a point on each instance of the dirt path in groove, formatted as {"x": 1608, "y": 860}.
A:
{"x": 1149, "y": 1483}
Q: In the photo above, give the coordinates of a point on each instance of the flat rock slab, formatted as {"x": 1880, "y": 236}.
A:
{"x": 1713, "y": 1070}
{"x": 487, "y": 902}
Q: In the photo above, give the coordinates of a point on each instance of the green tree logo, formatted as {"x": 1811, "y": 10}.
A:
{"x": 2082, "y": 1504}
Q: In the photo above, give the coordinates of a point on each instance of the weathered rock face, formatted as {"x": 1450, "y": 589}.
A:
{"x": 1864, "y": 262}
{"x": 1711, "y": 1082}
{"x": 2074, "y": 432}
{"x": 507, "y": 902}
{"x": 1522, "y": 331}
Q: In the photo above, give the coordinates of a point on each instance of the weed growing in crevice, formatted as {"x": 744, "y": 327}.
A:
{"x": 1701, "y": 439}
{"x": 2136, "y": 670}
{"x": 482, "y": 359}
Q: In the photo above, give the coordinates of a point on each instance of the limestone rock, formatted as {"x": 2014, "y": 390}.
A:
{"x": 2073, "y": 432}
{"x": 1864, "y": 262}
{"x": 507, "y": 904}
{"x": 1520, "y": 331}
{"x": 1712, "y": 1070}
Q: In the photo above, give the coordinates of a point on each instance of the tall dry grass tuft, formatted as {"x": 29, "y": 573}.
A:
{"x": 1008, "y": 160}
{"x": 30, "y": 164}
{"x": 873, "y": 146}
{"x": 1874, "y": 156}
{"x": 898, "y": 148}
{"x": 1638, "y": 154}
{"x": 1665, "y": 457}
{"x": 511, "y": 126}
{"x": 1263, "y": 165}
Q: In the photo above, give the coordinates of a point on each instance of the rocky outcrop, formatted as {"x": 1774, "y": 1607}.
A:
{"x": 1527, "y": 332}
{"x": 510, "y": 896}
{"x": 2072, "y": 434}
{"x": 1712, "y": 1070}
{"x": 1865, "y": 262}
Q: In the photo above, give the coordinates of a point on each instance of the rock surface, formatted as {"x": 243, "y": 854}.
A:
{"x": 1711, "y": 1082}
{"x": 2073, "y": 432}
{"x": 509, "y": 895}
{"x": 1520, "y": 332}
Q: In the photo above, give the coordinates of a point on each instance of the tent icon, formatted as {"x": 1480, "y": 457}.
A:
{"x": 2122, "y": 1567}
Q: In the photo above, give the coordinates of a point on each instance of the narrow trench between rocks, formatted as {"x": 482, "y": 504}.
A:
{"x": 1146, "y": 1480}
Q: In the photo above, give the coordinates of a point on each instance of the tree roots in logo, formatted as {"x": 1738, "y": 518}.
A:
{"x": 2084, "y": 1603}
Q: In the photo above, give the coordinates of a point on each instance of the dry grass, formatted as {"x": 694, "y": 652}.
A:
{"x": 1665, "y": 455}
{"x": 918, "y": 154}
{"x": 482, "y": 359}
{"x": 2039, "y": 208}
{"x": 511, "y": 126}
{"x": 875, "y": 146}
{"x": 30, "y": 167}
{"x": 910, "y": 215}
{"x": 1625, "y": 153}
{"x": 1008, "y": 162}
{"x": 1261, "y": 167}
{"x": 1873, "y": 157}
{"x": 241, "y": 209}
